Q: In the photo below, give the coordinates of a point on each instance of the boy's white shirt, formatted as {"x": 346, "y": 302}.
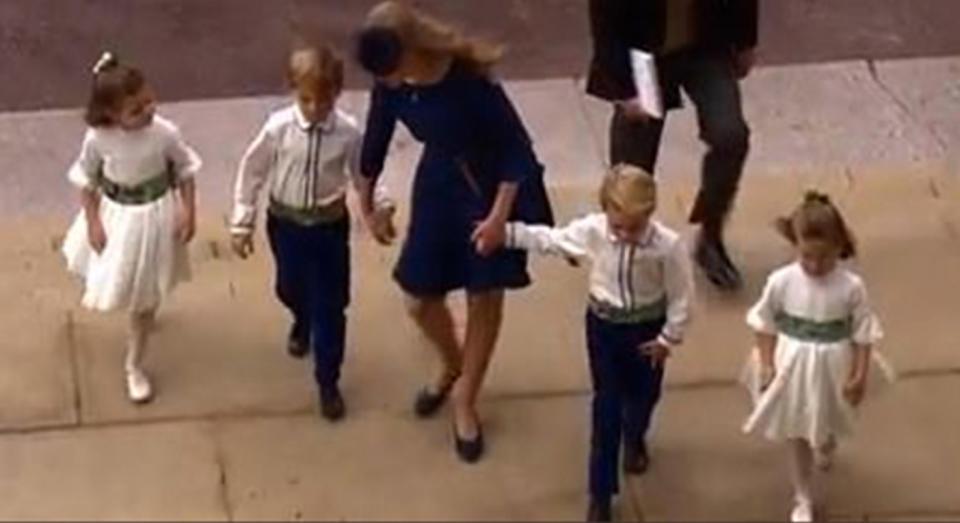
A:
{"x": 622, "y": 275}
{"x": 281, "y": 154}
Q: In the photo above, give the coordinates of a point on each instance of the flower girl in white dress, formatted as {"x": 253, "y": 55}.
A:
{"x": 135, "y": 176}
{"x": 814, "y": 337}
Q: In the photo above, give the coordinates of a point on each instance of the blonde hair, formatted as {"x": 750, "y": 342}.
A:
{"x": 314, "y": 66}
{"x": 628, "y": 189}
{"x": 432, "y": 38}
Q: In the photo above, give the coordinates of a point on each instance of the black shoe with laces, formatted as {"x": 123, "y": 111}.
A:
{"x": 732, "y": 272}
{"x": 712, "y": 257}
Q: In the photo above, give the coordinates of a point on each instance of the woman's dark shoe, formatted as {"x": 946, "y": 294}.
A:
{"x": 469, "y": 451}
{"x": 428, "y": 402}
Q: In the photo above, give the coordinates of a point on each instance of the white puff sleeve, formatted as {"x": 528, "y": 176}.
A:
{"x": 761, "y": 316}
{"x": 89, "y": 163}
{"x": 186, "y": 162}
{"x": 866, "y": 326}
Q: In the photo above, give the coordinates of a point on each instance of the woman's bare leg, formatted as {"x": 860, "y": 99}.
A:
{"x": 432, "y": 316}
{"x": 484, "y": 317}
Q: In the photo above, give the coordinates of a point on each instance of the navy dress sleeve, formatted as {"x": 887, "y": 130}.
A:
{"x": 512, "y": 157}
{"x": 381, "y": 122}
{"x": 500, "y": 125}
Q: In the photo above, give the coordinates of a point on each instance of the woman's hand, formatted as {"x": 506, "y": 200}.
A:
{"x": 379, "y": 222}
{"x": 489, "y": 235}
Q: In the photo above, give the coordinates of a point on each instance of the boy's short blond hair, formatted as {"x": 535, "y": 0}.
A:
{"x": 314, "y": 66}
{"x": 628, "y": 189}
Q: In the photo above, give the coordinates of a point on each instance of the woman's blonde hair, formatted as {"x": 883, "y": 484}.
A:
{"x": 629, "y": 190}
{"x": 433, "y": 38}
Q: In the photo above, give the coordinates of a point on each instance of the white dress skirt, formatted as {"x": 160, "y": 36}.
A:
{"x": 817, "y": 322}
{"x": 143, "y": 260}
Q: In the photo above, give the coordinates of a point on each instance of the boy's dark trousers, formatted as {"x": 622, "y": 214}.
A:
{"x": 626, "y": 388}
{"x": 313, "y": 282}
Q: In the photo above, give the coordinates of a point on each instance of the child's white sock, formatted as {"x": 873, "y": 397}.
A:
{"x": 139, "y": 329}
{"x": 802, "y": 476}
{"x": 139, "y": 389}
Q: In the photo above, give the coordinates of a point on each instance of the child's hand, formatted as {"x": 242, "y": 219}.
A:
{"x": 489, "y": 235}
{"x": 96, "y": 235}
{"x": 185, "y": 227}
{"x": 656, "y": 351}
{"x": 853, "y": 390}
{"x": 767, "y": 373}
{"x": 242, "y": 244}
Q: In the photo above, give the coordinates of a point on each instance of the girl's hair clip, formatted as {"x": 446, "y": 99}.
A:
{"x": 107, "y": 59}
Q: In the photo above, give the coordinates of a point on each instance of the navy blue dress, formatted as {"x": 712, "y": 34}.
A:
{"x": 473, "y": 140}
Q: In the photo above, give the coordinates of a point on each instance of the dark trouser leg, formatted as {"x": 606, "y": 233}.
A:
{"x": 635, "y": 143}
{"x": 642, "y": 384}
{"x": 606, "y": 411}
{"x": 328, "y": 283}
{"x": 712, "y": 85}
{"x": 329, "y": 325}
{"x": 285, "y": 239}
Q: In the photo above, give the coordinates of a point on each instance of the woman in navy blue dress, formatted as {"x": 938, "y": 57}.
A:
{"x": 477, "y": 171}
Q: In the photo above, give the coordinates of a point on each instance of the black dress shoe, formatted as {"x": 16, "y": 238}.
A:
{"x": 469, "y": 451}
{"x": 332, "y": 406}
{"x": 716, "y": 265}
{"x": 635, "y": 458}
{"x": 297, "y": 344}
{"x": 427, "y": 402}
{"x": 599, "y": 509}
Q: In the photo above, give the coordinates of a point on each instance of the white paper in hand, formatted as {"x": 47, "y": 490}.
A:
{"x": 647, "y": 82}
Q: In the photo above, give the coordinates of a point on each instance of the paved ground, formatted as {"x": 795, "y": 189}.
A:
{"x": 216, "y": 48}
{"x": 234, "y": 433}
